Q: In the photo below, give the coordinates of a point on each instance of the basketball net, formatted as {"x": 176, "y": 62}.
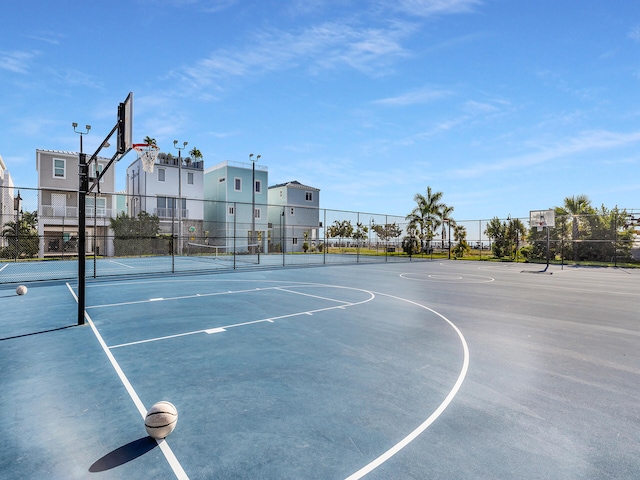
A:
{"x": 148, "y": 153}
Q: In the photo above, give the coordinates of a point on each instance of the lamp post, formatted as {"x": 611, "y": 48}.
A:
{"x": 184, "y": 145}
{"x": 16, "y": 207}
{"x": 83, "y": 187}
{"x": 253, "y": 198}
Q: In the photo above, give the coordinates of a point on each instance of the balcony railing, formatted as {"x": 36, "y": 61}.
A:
{"x": 171, "y": 212}
{"x": 54, "y": 211}
{"x": 49, "y": 211}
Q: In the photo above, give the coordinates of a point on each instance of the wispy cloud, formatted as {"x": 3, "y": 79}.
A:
{"x": 585, "y": 142}
{"x": 16, "y": 61}
{"x": 414, "y": 97}
{"x": 634, "y": 34}
{"x": 320, "y": 47}
{"x": 49, "y": 37}
{"x": 426, "y": 8}
{"x": 72, "y": 77}
{"x": 208, "y": 6}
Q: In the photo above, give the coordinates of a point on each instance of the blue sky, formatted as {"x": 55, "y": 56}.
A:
{"x": 503, "y": 105}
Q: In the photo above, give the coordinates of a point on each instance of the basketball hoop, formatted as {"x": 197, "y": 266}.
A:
{"x": 147, "y": 152}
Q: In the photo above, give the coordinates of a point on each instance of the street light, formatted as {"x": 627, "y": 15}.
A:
{"x": 16, "y": 207}
{"x": 184, "y": 145}
{"x": 253, "y": 197}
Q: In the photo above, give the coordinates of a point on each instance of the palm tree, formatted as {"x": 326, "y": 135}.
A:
{"x": 149, "y": 141}
{"x": 22, "y": 236}
{"x": 425, "y": 215}
{"x": 576, "y": 206}
{"x": 196, "y": 154}
{"x": 444, "y": 213}
{"x": 461, "y": 248}
{"x": 515, "y": 231}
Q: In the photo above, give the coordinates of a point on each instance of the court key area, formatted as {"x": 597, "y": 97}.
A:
{"x": 417, "y": 370}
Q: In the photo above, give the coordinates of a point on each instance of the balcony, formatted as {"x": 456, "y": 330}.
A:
{"x": 58, "y": 211}
{"x": 55, "y": 211}
{"x": 171, "y": 213}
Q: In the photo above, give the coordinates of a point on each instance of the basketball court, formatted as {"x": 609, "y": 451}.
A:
{"x": 392, "y": 370}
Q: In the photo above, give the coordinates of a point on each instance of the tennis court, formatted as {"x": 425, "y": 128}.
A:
{"x": 430, "y": 369}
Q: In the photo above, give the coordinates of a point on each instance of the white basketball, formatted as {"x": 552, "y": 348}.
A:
{"x": 21, "y": 290}
{"x": 161, "y": 419}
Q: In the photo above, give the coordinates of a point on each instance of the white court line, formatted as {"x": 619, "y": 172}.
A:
{"x": 121, "y": 264}
{"x": 183, "y": 297}
{"x": 252, "y": 322}
{"x": 432, "y": 418}
{"x": 313, "y": 296}
{"x": 4, "y": 266}
{"x": 164, "y": 446}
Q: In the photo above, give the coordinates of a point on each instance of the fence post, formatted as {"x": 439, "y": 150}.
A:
{"x": 324, "y": 248}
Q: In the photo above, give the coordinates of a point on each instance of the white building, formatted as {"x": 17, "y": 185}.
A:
{"x": 173, "y": 192}
{"x": 7, "y": 212}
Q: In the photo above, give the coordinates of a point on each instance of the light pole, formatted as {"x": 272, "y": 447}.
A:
{"x": 83, "y": 187}
{"x": 184, "y": 145}
{"x": 16, "y": 207}
{"x": 253, "y": 198}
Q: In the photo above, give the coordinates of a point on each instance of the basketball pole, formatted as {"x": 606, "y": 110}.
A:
{"x": 84, "y": 188}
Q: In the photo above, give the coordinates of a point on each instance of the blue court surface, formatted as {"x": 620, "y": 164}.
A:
{"x": 421, "y": 370}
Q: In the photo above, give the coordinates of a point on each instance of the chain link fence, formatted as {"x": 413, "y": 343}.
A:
{"x": 133, "y": 235}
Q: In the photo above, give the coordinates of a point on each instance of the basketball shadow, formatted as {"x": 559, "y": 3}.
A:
{"x": 124, "y": 454}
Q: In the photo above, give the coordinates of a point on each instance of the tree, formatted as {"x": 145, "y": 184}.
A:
{"x": 360, "y": 232}
{"x": 444, "y": 214}
{"x": 575, "y": 207}
{"x": 514, "y": 232}
{"x": 387, "y": 231}
{"x": 461, "y": 248}
{"x": 196, "y": 154}
{"x": 149, "y": 141}
{"x": 135, "y": 236}
{"x": 425, "y": 218}
{"x": 496, "y": 231}
{"x": 22, "y": 236}
{"x": 340, "y": 229}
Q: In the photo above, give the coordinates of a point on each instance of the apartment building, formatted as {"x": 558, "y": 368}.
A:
{"x": 294, "y": 215}
{"x": 58, "y": 205}
{"x": 236, "y": 206}
{"x": 7, "y": 208}
{"x": 173, "y": 192}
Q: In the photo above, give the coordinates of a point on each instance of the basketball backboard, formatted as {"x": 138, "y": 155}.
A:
{"x": 125, "y": 125}
{"x": 542, "y": 218}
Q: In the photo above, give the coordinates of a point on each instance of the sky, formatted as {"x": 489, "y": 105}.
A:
{"x": 505, "y": 106}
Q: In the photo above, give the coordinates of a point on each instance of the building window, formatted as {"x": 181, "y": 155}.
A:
{"x": 256, "y": 213}
{"x": 190, "y": 178}
{"x": 293, "y": 211}
{"x": 100, "y": 206}
{"x": 161, "y": 174}
{"x": 258, "y": 186}
{"x": 294, "y": 240}
{"x": 237, "y": 184}
{"x": 231, "y": 210}
{"x": 59, "y": 168}
{"x": 308, "y": 196}
{"x": 281, "y": 194}
{"x": 94, "y": 173}
{"x": 221, "y": 180}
